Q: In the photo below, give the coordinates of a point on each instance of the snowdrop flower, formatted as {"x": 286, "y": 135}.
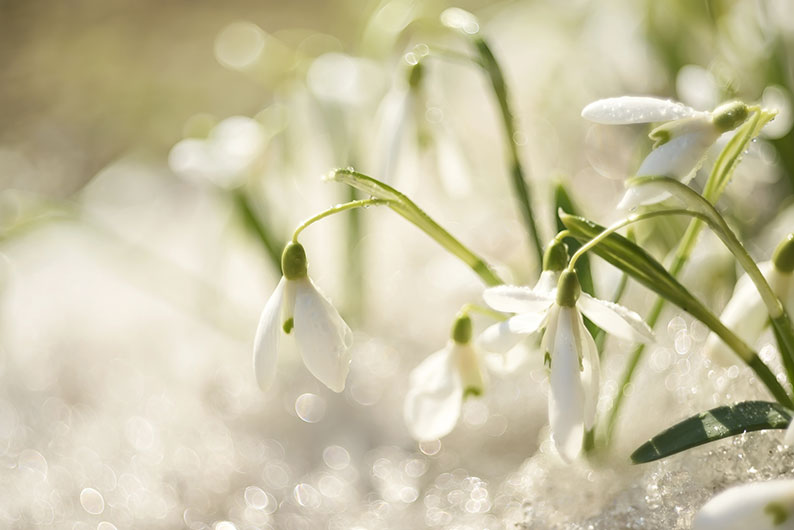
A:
{"x": 297, "y": 309}
{"x": 441, "y": 382}
{"x": 503, "y": 336}
{"x": 680, "y": 143}
{"x": 757, "y": 506}
{"x": 569, "y": 348}
{"x": 745, "y": 312}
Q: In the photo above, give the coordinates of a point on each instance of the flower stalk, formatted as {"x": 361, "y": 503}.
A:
{"x": 411, "y": 212}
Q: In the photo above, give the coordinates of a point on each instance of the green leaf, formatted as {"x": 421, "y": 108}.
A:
{"x": 638, "y": 264}
{"x": 713, "y": 425}
{"x": 562, "y": 200}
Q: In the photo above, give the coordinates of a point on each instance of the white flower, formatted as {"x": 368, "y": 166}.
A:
{"x": 297, "y": 309}
{"x": 681, "y": 143}
{"x": 757, "y": 506}
{"x": 440, "y": 383}
{"x": 574, "y": 377}
{"x": 745, "y": 313}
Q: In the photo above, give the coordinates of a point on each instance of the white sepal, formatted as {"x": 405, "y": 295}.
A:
{"x": 749, "y": 506}
{"x": 323, "y": 338}
{"x": 614, "y": 318}
{"x": 591, "y": 370}
{"x": 499, "y": 338}
{"x": 566, "y": 396}
{"x": 679, "y": 157}
{"x": 266, "y": 341}
{"x": 514, "y": 299}
{"x": 433, "y": 403}
{"x": 635, "y": 109}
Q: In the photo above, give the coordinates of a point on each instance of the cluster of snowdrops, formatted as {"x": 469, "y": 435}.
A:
{"x": 551, "y": 312}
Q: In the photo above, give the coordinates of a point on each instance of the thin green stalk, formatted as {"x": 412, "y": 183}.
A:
{"x": 360, "y": 203}
{"x": 415, "y": 215}
{"x": 520, "y": 185}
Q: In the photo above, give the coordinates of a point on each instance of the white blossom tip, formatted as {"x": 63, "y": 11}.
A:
{"x": 635, "y": 109}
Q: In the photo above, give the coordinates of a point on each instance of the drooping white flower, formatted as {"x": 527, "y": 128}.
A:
{"x": 438, "y": 386}
{"x": 680, "y": 143}
{"x": 757, "y": 506}
{"x": 297, "y": 309}
{"x": 574, "y": 377}
{"x": 745, "y": 313}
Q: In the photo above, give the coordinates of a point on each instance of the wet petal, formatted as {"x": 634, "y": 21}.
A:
{"x": 514, "y": 299}
{"x": 635, "y": 109}
{"x": 591, "y": 372}
{"x": 566, "y": 397}
{"x": 267, "y": 337}
{"x": 508, "y": 362}
{"x": 323, "y": 338}
{"x": 745, "y": 314}
{"x": 760, "y": 506}
{"x": 433, "y": 403}
{"x": 680, "y": 156}
{"x": 614, "y": 318}
{"x": 498, "y": 338}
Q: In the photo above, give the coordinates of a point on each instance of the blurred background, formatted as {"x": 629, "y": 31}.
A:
{"x": 154, "y": 156}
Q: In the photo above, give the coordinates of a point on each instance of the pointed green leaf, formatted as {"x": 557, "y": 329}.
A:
{"x": 713, "y": 425}
{"x": 562, "y": 200}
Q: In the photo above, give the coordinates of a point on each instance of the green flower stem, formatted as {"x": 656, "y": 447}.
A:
{"x": 415, "y": 215}
{"x": 361, "y": 203}
{"x": 269, "y": 242}
{"x": 520, "y": 185}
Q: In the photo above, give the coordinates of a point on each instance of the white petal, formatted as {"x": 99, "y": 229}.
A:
{"x": 591, "y": 371}
{"x": 745, "y": 507}
{"x": 267, "y": 337}
{"x": 434, "y": 400}
{"x": 509, "y": 362}
{"x": 467, "y": 362}
{"x": 547, "y": 282}
{"x": 634, "y": 109}
{"x": 614, "y": 318}
{"x": 498, "y": 338}
{"x": 514, "y": 299}
{"x": 547, "y": 342}
{"x": 788, "y": 438}
{"x": 323, "y": 338}
{"x": 745, "y": 314}
{"x": 680, "y": 156}
{"x": 566, "y": 396}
